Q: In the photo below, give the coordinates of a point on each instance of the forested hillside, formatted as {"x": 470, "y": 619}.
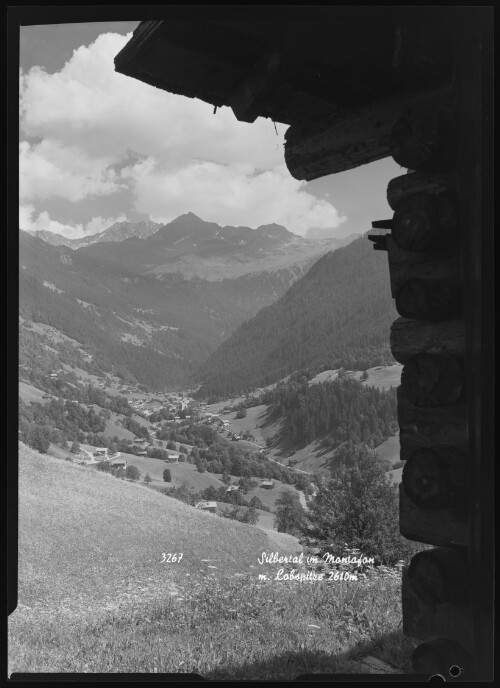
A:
{"x": 337, "y": 315}
{"x": 156, "y": 332}
{"x": 340, "y": 411}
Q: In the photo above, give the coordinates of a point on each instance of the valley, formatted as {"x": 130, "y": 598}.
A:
{"x": 156, "y": 415}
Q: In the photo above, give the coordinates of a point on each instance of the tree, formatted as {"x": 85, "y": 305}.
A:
{"x": 241, "y": 413}
{"x": 251, "y": 516}
{"x": 147, "y": 478}
{"x": 358, "y": 507}
{"x": 132, "y": 473}
{"x": 226, "y": 478}
{"x": 244, "y": 484}
{"x": 364, "y": 376}
{"x": 210, "y": 494}
{"x": 167, "y": 477}
{"x": 75, "y": 448}
{"x": 256, "y": 503}
{"x": 201, "y": 465}
{"x": 289, "y": 515}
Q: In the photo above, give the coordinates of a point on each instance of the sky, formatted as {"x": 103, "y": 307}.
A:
{"x": 97, "y": 147}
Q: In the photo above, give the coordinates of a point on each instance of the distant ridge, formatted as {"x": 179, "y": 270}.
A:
{"x": 337, "y": 315}
{"x": 117, "y": 232}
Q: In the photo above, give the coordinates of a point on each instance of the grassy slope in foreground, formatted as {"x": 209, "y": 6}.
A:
{"x": 94, "y": 598}
{"x": 86, "y": 534}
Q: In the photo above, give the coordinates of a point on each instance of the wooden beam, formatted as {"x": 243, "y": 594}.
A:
{"x": 424, "y": 139}
{"x": 400, "y": 189}
{"x": 435, "y": 477}
{"x": 353, "y": 136}
{"x": 439, "y": 527}
{"x": 425, "y": 222}
{"x": 432, "y": 379}
{"x": 423, "y": 435}
{"x": 429, "y": 299}
{"x": 432, "y": 417}
{"x": 440, "y": 575}
{"x": 411, "y": 337}
{"x": 406, "y": 265}
{"x": 246, "y": 101}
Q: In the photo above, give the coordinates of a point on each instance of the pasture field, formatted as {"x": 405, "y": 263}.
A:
{"x": 94, "y": 595}
{"x": 389, "y": 449}
{"x": 181, "y": 473}
{"x": 382, "y": 377}
{"x": 186, "y": 473}
{"x": 29, "y": 393}
{"x": 112, "y": 429}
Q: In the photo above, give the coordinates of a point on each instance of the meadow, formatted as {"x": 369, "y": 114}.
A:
{"x": 94, "y": 595}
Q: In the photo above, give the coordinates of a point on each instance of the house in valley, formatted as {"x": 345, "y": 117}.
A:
{"x": 207, "y": 506}
{"x": 101, "y": 452}
{"x": 267, "y": 484}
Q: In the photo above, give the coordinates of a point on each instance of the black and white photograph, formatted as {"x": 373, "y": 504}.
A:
{"x": 253, "y": 316}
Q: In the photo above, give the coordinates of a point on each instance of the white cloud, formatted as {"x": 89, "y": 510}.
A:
{"x": 51, "y": 170}
{"x": 90, "y": 121}
{"x": 29, "y": 221}
{"x": 229, "y": 194}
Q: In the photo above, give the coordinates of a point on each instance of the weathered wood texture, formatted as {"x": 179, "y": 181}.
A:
{"x": 412, "y": 437}
{"x": 436, "y": 477}
{"x": 440, "y": 575}
{"x": 442, "y": 656}
{"x": 407, "y": 265}
{"x": 429, "y": 299}
{"x": 424, "y": 139}
{"x": 415, "y": 418}
{"x": 432, "y": 379}
{"x": 428, "y": 621}
{"x": 352, "y": 137}
{"x": 401, "y": 189}
{"x": 260, "y": 83}
{"x": 425, "y": 222}
{"x": 411, "y": 337}
{"x": 441, "y": 527}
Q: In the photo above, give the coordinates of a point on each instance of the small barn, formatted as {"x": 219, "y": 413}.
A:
{"x": 208, "y": 506}
{"x": 267, "y": 484}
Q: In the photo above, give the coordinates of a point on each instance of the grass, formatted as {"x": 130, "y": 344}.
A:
{"x": 29, "y": 393}
{"x": 223, "y": 628}
{"x": 94, "y": 597}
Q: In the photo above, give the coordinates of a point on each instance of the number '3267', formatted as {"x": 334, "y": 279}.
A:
{"x": 171, "y": 558}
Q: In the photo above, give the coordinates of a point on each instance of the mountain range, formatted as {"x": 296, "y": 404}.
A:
{"x": 194, "y": 248}
{"x": 153, "y": 309}
{"x": 117, "y": 232}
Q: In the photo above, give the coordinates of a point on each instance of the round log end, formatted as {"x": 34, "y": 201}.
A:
{"x": 441, "y": 656}
{"x": 436, "y": 477}
{"x": 424, "y": 222}
{"x": 421, "y": 140}
{"x": 438, "y": 576}
{"x": 432, "y": 380}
